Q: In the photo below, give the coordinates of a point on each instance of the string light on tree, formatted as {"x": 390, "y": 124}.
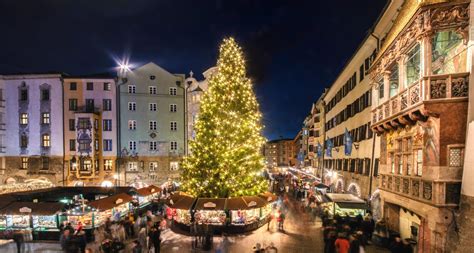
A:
{"x": 226, "y": 159}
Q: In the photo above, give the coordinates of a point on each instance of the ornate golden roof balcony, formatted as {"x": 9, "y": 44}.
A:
{"x": 412, "y": 104}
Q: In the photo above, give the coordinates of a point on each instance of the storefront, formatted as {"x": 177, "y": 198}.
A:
{"x": 210, "y": 211}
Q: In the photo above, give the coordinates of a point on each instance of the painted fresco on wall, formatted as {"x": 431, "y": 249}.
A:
{"x": 430, "y": 130}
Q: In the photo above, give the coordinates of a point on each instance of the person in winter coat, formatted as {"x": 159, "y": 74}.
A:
{"x": 81, "y": 239}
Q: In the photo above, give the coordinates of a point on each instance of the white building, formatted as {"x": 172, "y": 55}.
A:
{"x": 33, "y": 116}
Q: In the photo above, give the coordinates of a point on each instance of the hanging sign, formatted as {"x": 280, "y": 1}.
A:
{"x": 25, "y": 210}
{"x": 209, "y": 205}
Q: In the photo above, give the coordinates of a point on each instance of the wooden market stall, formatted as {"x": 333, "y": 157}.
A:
{"x": 343, "y": 204}
{"x": 146, "y": 195}
{"x": 114, "y": 207}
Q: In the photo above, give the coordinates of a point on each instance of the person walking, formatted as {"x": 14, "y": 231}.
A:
{"x": 282, "y": 221}
{"x": 155, "y": 239}
{"x": 19, "y": 238}
{"x": 342, "y": 244}
{"x": 81, "y": 239}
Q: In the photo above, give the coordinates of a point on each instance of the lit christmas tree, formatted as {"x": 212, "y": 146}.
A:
{"x": 226, "y": 159}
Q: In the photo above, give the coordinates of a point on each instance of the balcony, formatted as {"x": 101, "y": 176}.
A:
{"x": 408, "y": 105}
{"x": 432, "y": 192}
{"x": 87, "y": 109}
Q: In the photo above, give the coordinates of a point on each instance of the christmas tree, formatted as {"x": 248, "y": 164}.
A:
{"x": 226, "y": 158}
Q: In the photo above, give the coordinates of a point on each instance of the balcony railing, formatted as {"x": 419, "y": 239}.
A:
{"x": 432, "y": 192}
{"x": 87, "y": 109}
{"x": 429, "y": 88}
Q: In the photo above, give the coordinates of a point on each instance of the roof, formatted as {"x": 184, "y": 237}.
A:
{"x": 268, "y": 196}
{"x": 44, "y": 208}
{"x": 235, "y": 203}
{"x": 148, "y": 190}
{"x": 210, "y": 204}
{"x": 181, "y": 200}
{"x": 254, "y": 202}
{"x": 347, "y": 205}
{"x": 344, "y": 197}
{"x": 111, "y": 202}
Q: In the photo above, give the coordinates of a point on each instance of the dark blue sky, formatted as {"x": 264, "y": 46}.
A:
{"x": 293, "y": 48}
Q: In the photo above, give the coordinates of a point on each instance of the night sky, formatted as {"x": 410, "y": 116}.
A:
{"x": 293, "y": 48}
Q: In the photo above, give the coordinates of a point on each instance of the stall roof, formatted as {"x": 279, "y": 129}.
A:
{"x": 268, "y": 196}
{"x": 149, "y": 190}
{"x": 111, "y": 202}
{"x": 344, "y": 197}
{"x": 254, "y": 202}
{"x": 349, "y": 205}
{"x": 42, "y": 208}
{"x": 5, "y": 200}
{"x": 210, "y": 204}
{"x": 186, "y": 202}
{"x": 235, "y": 203}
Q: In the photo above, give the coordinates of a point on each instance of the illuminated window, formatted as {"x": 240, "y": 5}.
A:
{"x": 174, "y": 165}
{"x": 46, "y": 140}
{"x": 419, "y": 162}
{"x": 24, "y": 163}
{"x": 132, "y": 166}
{"x": 153, "y": 166}
{"x": 23, "y": 118}
{"x": 108, "y": 165}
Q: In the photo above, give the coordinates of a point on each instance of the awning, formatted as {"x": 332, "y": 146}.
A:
{"x": 255, "y": 202}
{"x": 350, "y": 205}
{"x": 111, "y": 202}
{"x": 268, "y": 196}
{"x": 210, "y": 204}
{"x": 26, "y": 208}
{"x": 150, "y": 190}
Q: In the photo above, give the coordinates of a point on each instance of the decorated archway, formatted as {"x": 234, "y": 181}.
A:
{"x": 354, "y": 189}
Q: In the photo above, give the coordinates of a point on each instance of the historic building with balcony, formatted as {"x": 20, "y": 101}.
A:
{"x": 420, "y": 81}
{"x": 90, "y": 130}
{"x": 29, "y": 109}
{"x": 152, "y": 124}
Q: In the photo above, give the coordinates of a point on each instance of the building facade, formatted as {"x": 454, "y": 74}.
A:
{"x": 152, "y": 124}
{"x": 33, "y": 147}
{"x": 90, "y": 130}
{"x": 420, "y": 78}
{"x": 278, "y": 153}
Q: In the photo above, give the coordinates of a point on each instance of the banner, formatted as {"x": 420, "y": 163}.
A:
{"x": 329, "y": 146}
{"x": 347, "y": 143}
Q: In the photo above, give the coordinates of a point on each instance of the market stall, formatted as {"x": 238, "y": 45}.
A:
{"x": 42, "y": 219}
{"x": 210, "y": 211}
{"x": 114, "y": 207}
{"x": 146, "y": 195}
{"x": 245, "y": 210}
{"x": 344, "y": 204}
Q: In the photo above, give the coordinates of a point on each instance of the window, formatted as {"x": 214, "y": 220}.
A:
{"x": 107, "y": 86}
{"x": 152, "y": 107}
{"x": 107, "y": 145}
{"x": 107, "y": 104}
{"x": 132, "y": 145}
{"x": 173, "y": 107}
{"x": 132, "y": 89}
{"x": 153, "y": 166}
{"x": 24, "y": 95}
{"x": 24, "y": 163}
{"x": 448, "y": 53}
{"x": 108, "y": 165}
{"x": 72, "y": 104}
{"x": 174, "y": 145}
{"x": 174, "y": 126}
{"x": 90, "y": 105}
{"x": 73, "y": 86}
{"x": 46, "y": 141}
{"x": 23, "y": 118}
{"x": 152, "y": 124}
{"x": 132, "y": 106}
{"x": 361, "y": 73}
{"x": 393, "y": 80}
{"x": 132, "y": 124}
{"x": 153, "y": 145}
{"x": 84, "y": 145}
{"x": 173, "y": 91}
{"x": 45, "y": 94}
{"x": 381, "y": 89}
{"x": 413, "y": 66}
{"x": 174, "y": 165}
{"x": 152, "y": 77}
{"x": 84, "y": 123}
{"x": 455, "y": 157}
{"x": 45, "y": 118}
{"x": 152, "y": 90}
{"x": 23, "y": 141}
{"x": 90, "y": 86}
{"x": 132, "y": 166}
{"x": 419, "y": 162}
{"x": 72, "y": 145}
{"x": 400, "y": 165}
{"x": 72, "y": 125}
{"x": 107, "y": 124}
{"x": 45, "y": 163}
{"x": 96, "y": 145}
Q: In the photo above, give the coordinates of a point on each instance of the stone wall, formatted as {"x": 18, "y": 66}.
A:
{"x": 461, "y": 233}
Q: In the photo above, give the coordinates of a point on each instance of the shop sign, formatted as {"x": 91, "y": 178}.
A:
{"x": 209, "y": 205}
{"x": 119, "y": 201}
{"x": 252, "y": 203}
{"x": 25, "y": 210}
